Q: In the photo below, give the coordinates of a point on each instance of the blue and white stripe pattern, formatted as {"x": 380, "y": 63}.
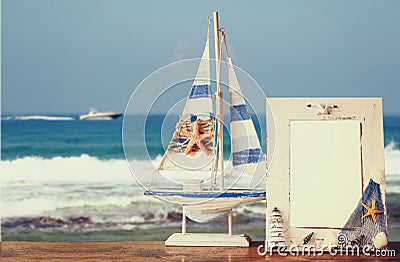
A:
{"x": 246, "y": 149}
{"x": 356, "y": 226}
{"x": 239, "y": 112}
{"x": 252, "y": 155}
{"x": 199, "y": 102}
{"x": 200, "y": 91}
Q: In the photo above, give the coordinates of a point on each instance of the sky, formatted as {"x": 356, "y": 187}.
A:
{"x": 67, "y": 55}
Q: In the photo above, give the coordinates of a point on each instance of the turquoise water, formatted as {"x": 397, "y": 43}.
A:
{"x": 103, "y": 139}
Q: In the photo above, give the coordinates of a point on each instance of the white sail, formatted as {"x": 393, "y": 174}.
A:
{"x": 199, "y": 103}
{"x": 247, "y": 155}
{"x": 192, "y": 145}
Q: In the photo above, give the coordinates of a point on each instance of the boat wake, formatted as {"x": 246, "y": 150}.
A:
{"x": 39, "y": 117}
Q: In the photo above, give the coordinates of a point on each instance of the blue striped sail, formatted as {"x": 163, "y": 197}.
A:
{"x": 247, "y": 155}
{"x": 192, "y": 145}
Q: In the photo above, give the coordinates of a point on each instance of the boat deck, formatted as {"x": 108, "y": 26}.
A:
{"x": 206, "y": 193}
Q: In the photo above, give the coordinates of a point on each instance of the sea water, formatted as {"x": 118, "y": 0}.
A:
{"x": 63, "y": 179}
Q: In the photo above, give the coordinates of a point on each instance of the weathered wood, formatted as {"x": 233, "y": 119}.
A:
{"x": 148, "y": 251}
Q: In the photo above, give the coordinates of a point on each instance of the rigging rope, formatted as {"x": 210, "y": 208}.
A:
{"x": 153, "y": 178}
{"x": 223, "y": 40}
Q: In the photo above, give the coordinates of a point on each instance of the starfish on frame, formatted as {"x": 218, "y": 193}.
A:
{"x": 195, "y": 138}
{"x": 371, "y": 211}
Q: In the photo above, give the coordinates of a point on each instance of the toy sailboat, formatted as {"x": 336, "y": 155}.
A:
{"x": 195, "y": 154}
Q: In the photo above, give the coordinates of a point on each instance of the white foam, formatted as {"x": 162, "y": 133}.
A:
{"x": 391, "y": 146}
{"x": 47, "y": 205}
{"x": 35, "y": 186}
{"x": 38, "y": 117}
{"x": 64, "y": 169}
{"x": 392, "y": 161}
{"x": 91, "y": 169}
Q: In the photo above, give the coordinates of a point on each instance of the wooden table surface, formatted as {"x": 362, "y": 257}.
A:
{"x": 149, "y": 251}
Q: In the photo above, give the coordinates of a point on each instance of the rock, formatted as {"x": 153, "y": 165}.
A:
{"x": 174, "y": 216}
{"x": 79, "y": 220}
{"x": 147, "y": 216}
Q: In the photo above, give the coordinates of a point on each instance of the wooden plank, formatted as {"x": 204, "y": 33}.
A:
{"x": 149, "y": 251}
{"x": 208, "y": 240}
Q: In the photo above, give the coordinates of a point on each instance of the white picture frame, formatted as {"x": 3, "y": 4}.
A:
{"x": 297, "y": 123}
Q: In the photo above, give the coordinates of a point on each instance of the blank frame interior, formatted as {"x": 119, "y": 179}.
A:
{"x": 326, "y": 181}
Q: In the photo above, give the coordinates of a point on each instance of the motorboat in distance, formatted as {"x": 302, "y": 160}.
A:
{"x": 96, "y": 115}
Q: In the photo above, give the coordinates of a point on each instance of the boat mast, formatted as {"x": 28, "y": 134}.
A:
{"x": 219, "y": 102}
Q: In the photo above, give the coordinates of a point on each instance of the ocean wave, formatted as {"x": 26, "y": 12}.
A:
{"x": 83, "y": 168}
{"x": 392, "y": 160}
{"x": 138, "y": 217}
{"x": 62, "y": 203}
{"x": 39, "y": 117}
{"x": 391, "y": 146}
{"x": 62, "y": 186}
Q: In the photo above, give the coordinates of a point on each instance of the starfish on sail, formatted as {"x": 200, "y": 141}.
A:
{"x": 196, "y": 137}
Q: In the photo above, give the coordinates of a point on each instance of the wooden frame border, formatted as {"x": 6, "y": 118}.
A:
{"x": 366, "y": 110}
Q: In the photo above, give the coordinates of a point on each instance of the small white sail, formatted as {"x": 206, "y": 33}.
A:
{"x": 192, "y": 145}
{"x": 247, "y": 155}
{"x": 199, "y": 103}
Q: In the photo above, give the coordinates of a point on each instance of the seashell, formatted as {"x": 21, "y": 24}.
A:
{"x": 342, "y": 239}
{"x": 307, "y": 238}
{"x": 380, "y": 240}
{"x": 357, "y": 241}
